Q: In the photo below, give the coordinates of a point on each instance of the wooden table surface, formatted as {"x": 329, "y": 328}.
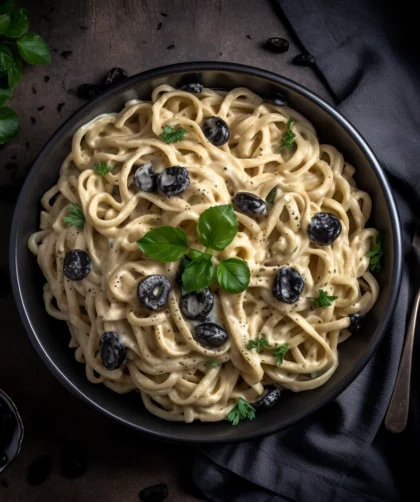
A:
{"x": 88, "y": 38}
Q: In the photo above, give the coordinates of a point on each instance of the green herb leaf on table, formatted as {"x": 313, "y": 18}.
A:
{"x": 280, "y": 352}
{"x": 323, "y": 300}
{"x": 258, "y": 343}
{"x": 172, "y": 135}
{"x": 196, "y": 255}
{"x": 4, "y": 95}
{"x": 198, "y": 275}
{"x": 19, "y": 23}
{"x": 164, "y": 244}
{"x": 101, "y": 168}
{"x": 242, "y": 410}
{"x": 288, "y": 140}
{"x": 271, "y": 197}
{"x": 14, "y": 73}
{"x": 4, "y": 23}
{"x": 233, "y": 275}
{"x": 212, "y": 363}
{"x": 34, "y": 49}
{"x": 9, "y": 124}
{"x": 76, "y": 218}
{"x": 7, "y": 6}
{"x": 6, "y": 58}
{"x": 217, "y": 227}
{"x": 376, "y": 253}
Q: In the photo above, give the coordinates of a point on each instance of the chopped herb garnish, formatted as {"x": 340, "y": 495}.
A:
{"x": 101, "y": 168}
{"x": 375, "y": 254}
{"x": 259, "y": 344}
{"x": 288, "y": 140}
{"x": 172, "y": 135}
{"x": 243, "y": 409}
{"x": 76, "y": 218}
{"x": 323, "y": 300}
{"x": 280, "y": 352}
{"x": 212, "y": 363}
{"x": 271, "y": 197}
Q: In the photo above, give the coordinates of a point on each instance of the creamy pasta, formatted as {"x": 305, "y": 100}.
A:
{"x": 164, "y": 360}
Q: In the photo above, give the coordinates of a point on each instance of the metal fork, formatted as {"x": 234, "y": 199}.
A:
{"x": 397, "y": 414}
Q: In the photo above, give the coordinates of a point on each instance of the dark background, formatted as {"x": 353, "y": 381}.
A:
{"x": 101, "y": 34}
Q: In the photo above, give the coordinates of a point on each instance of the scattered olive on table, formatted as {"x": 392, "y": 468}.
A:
{"x": 249, "y": 203}
{"x": 77, "y": 265}
{"x": 288, "y": 285}
{"x": 113, "y": 352}
{"x": 356, "y": 321}
{"x": 194, "y": 88}
{"x": 153, "y": 291}
{"x": 268, "y": 399}
{"x": 91, "y": 91}
{"x": 155, "y": 493}
{"x": 210, "y": 334}
{"x": 277, "y": 44}
{"x": 304, "y": 59}
{"x": 216, "y": 131}
{"x": 173, "y": 180}
{"x": 115, "y": 76}
{"x": 145, "y": 178}
{"x": 197, "y": 305}
{"x": 324, "y": 229}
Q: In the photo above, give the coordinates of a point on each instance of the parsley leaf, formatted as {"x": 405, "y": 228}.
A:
{"x": 288, "y": 140}
{"x": 243, "y": 409}
{"x": 212, "y": 363}
{"x": 376, "y": 253}
{"x": 76, "y": 218}
{"x": 101, "y": 168}
{"x": 259, "y": 344}
{"x": 280, "y": 352}
{"x": 323, "y": 300}
{"x": 172, "y": 135}
{"x": 271, "y": 197}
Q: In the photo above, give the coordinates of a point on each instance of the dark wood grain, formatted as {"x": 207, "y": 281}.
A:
{"x": 101, "y": 34}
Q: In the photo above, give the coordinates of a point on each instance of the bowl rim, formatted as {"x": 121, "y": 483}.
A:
{"x": 15, "y": 411}
{"x": 229, "y": 68}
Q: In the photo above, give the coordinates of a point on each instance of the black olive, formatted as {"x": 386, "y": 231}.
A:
{"x": 216, "y": 131}
{"x": 304, "y": 59}
{"x": 249, "y": 203}
{"x": 197, "y": 305}
{"x": 181, "y": 268}
{"x": 89, "y": 91}
{"x": 210, "y": 334}
{"x": 153, "y": 291}
{"x": 277, "y": 44}
{"x": 115, "y": 76}
{"x": 276, "y": 98}
{"x": 268, "y": 400}
{"x": 77, "y": 265}
{"x": 145, "y": 178}
{"x": 288, "y": 285}
{"x": 324, "y": 229}
{"x": 155, "y": 493}
{"x": 112, "y": 350}
{"x": 195, "y": 88}
{"x": 39, "y": 470}
{"x": 356, "y": 322}
{"x": 173, "y": 180}
{"x": 73, "y": 462}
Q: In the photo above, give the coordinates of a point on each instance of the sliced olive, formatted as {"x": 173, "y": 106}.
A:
{"x": 356, "y": 322}
{"x": 153, "y": 291}
{"x": 145, "y": 178}
{"x": 197, "y": 305}
{"x": 195, "y": 88}
{"x": 112, "y": 350}
{"x": 173, "y": 180}
{"x": 77, "y": 265}
{"x": 269, "y": 398}
{"x": 324, "y": 229}
{"x": 288, "y": 285}
{"x": 216, "y": 131}
{"x": 249, "y": 203}
{"x": 210, "y": 334}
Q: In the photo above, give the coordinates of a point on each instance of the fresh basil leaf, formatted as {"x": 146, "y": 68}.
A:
{"x": 196, "y": 255}
{"x": 198, "y": 275}
{"x": 4, "y": 95}
{"x": 271, "y": 197}
{"x": 6, "y": 58}
{"x": 4, "y": 22}
{"x": 19, "y": 24}
{"x": 34, "y": 49}
{"x": 233, "y": 275}
{"x": 9, "y": 124}
{"x": 14, "y": 73}
{"x": 217, "y": 227}
{"x": 164, "y": 244}
{"x": 7, "y": 6}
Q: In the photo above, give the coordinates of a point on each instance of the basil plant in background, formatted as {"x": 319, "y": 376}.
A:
{"x": 17, "y": 46}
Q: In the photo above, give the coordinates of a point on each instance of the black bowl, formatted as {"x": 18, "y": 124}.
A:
{"x": 11, "y": 431}
{"x": 50, "y": 338}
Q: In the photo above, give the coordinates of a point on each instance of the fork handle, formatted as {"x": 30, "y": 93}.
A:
{"x": 397, "y": 414}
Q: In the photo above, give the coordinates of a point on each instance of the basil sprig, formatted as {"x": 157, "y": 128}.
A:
{"x": 216, "y": 228}
{"x": 17, "y": 44}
